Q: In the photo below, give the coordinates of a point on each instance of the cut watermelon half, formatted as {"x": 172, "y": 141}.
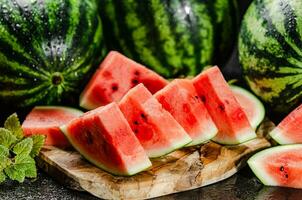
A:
{"x": 279, "y": 166}
{"x": 156, "y": 129}
{"x": 289, "y": 130}
{"x": 181, "y": 100}
{"x": 46, "y": 120}
{"x": 105, "y": 139}
{"x": 116, "y": 75}
{"x": 251, "y": 105}
{"x": 228, "y": 115}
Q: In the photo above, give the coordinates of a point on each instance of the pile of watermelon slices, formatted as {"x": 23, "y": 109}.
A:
{"x": 135, "y": 114}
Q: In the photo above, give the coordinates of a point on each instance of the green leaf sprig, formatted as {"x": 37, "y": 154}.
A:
{"x": 17, "y": 152}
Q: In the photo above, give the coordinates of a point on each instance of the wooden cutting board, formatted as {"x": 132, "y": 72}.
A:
{"x": 182, "y": 170}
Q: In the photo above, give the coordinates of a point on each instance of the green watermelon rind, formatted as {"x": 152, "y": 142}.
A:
{"x": 174, "y": 146}
{"x": 259, "y": 106}
{"x": 243, "y": 137}
{"x": 211, "y": 133}
{"x": 278, "y": 135}
{"x": 74, "y": 111}
{"x": 255, "y": 162}
{"x": 130, "y": 172}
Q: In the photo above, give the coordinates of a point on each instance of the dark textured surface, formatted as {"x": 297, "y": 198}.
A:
{"x": 242, "y": 186}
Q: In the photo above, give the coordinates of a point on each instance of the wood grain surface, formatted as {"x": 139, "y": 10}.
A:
{"x": 182, "y": 170}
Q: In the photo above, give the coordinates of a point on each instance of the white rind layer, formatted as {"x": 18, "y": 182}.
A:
{"x": 259, "y": 116}
{"x": 73, "y": 111}
{"x": 174, "y": 146}
{"x": 278, "y": 135}
{"x": 242, "y": 136}
{"x": 211, "y": 133}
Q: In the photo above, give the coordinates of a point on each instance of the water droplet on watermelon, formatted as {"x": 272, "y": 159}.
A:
{"x": 35, "y": 79}
{"x": 20, "y": 74}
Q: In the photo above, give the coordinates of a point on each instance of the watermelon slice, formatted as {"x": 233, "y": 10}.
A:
{"x": 279, "y": 166}
{"x": 228, "y": 115}
{"x": 46, "y": 120}
{"x": 251, "y": 105}
{"x": 105, "y": 139}
{"x": 289, "y": 130}
{"x": 156, "y": 129}
{"x": 181, "y": 100}
{"x": 118, "y": 74}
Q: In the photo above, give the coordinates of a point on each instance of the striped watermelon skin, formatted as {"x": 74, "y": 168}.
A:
{"x": 174, "y": 38}
{"x": 270, "y": 49}
{"x": 47, "y": 49}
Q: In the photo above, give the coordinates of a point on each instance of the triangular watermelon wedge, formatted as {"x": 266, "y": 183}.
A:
{"x": 289, "y": 130}
{"x": 279, "y": 166}
{"x": 46, "y": 120}
{"x": 229, "y": 117}
{"x": 156, "y": 129}
{"x": 104, "y": 137}
{"x": 181, "y": 100}
{"x": 116, "y": 75}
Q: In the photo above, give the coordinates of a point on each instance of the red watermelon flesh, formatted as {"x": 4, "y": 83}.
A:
{"x": 228, "y": 115}
{"x": 105, "y": 138}
{"x": 116, "y": 75}
{"x": 279, "y": 166}
{"x": 156, "y": 129}
{"x": 46, "y": 120}
{"x": 181, "y": 100}
{"x": 289, "y": 130}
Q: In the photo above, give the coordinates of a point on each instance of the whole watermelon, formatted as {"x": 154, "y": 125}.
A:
{"x": 174, "y": 38}
{"x": 270, "y": 48}
{"x": 47, "y": 48}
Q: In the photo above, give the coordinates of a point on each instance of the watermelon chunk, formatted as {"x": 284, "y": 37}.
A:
{"x": 105, "y": 139}
{"x": 279, "y": 166}
{"x": 46, "y": 120}
{"x": 228, "y": 115}
{"x": 289, "y": 130}
{"x": 156, "y": 129}
{"x": 181, "y": 100}
{"x": 251, "y": 105}
{"x": 116, "y": 75}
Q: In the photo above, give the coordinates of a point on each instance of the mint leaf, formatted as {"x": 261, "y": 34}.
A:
{"x": 2, "y": 177}
{"x": 24, "y": 147}
{"x": 23, "y": 164}
{"x": 16, "y": 152}
{"x": 4, "y": 151}
{"x": 38, "y": 142}
{"x": 28, "y": 164}
{"x": 12, "y": 123}
{"x": 16, "y": 173}
{"x": 4, "y": 163}
{"x": 31, "y": 171}
{"x": 7, "y": 138}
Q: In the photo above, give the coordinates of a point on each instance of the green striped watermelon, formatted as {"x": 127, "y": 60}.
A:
{"x": 270, "y": 48}
{"x": 47, "y": 49}
{"x": 173, "y": 38}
